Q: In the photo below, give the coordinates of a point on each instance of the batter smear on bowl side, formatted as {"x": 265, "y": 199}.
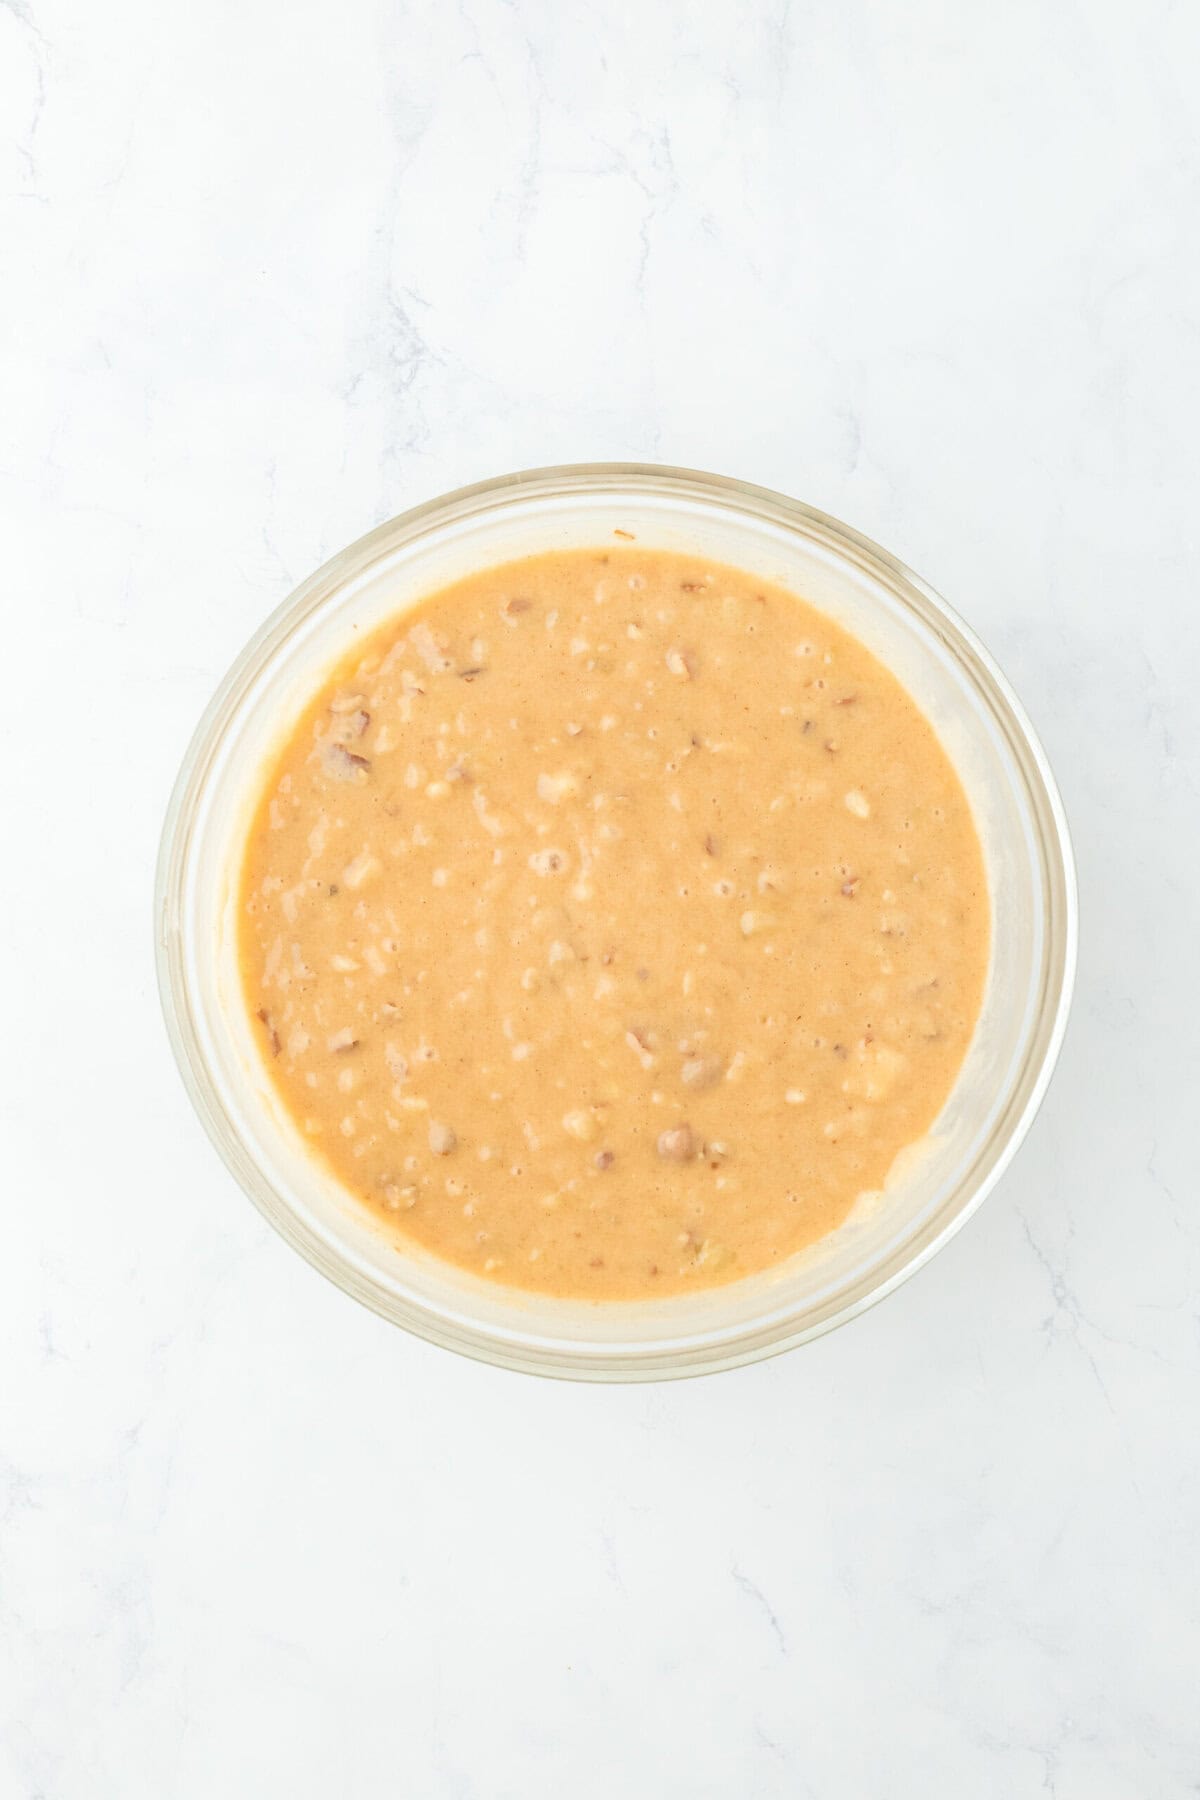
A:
{"x": 611, "y": 921}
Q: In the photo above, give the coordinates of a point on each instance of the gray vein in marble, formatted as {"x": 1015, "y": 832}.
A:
{"x": 1161, "y": 1183}
{"x": 1067, "y": 1306}
{"x": 754, "y": 1592}
{"x": 26, "y": 145}
{"x": 609, "y": 1547}
{"x": 268, "y": 540}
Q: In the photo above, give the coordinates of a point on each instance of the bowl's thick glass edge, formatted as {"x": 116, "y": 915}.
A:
{"x": 534, "y": 1355}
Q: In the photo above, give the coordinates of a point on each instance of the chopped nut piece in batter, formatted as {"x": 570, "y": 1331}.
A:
{"x": 677, "y": 1145}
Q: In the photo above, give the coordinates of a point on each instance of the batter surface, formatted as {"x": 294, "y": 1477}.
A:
{"x": 610, "y": 922}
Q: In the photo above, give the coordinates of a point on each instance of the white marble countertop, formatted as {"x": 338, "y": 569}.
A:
{"x": 273, "y": 272}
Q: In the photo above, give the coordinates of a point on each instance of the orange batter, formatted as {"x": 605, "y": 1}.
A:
{"x": 611, "y": 922}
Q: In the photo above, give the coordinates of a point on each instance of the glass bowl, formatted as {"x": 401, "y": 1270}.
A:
{"x": 1002, "y": 766}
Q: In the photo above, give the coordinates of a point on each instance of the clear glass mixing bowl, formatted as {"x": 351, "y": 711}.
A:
{"x": 1003, "y": 769}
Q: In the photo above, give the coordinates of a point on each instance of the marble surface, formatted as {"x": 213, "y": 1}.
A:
{"x": 271, "y": 273}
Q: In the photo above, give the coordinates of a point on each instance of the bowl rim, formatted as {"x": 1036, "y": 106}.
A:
{"x": 535, "y": 1354}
